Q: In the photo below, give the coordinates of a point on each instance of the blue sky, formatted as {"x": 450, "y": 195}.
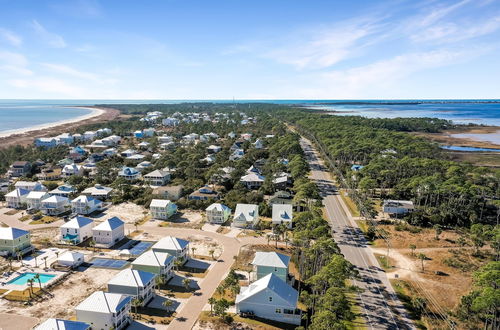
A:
{"x": 273, "y": 49}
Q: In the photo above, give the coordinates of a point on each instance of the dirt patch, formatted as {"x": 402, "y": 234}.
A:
{"x": 128, "y": 212}
{"x": 423, "y": 239}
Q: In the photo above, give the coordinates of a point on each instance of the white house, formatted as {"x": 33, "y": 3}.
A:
{"x": 109, "y": 232}
{"x": 89, "y": 135}
{"x": 98, "y": 191}
{"x": 237, "y": 154}
{"x": 129, "y": 174}
{"x": 34, "y": 199}
{"x": 71, "y": 259}
{"x": 30, "y": 185}
{"x": 157, "y": 178}
{"x": 282, "y": 213}
{"x": 214, "y": 149}
{"x": 270, "y": 298}
{"x": 217, "y": 213}
{"x": 133, "y": 282}
{"x": 84, "y": 204}
{"x": 65, "y": 138}
{"x": 398, "y": 207}
{"x": 174, "y": 246}
{"x": 72, "y": 169}
{"x": 105, "y": 310}
{"x": 76, "y": 230}
{"x": 55, "y": 205}
{"x": 17, "y": 198}
{"x": 162, "y": 209}
{"x": 45, "y": 142}
{"x": 246, "y": 215}
{"x": 252, "y": 180}
{"x": 64, "y": 190}
{"x": 59, "y": 324}
{"x": 258, "y": 144}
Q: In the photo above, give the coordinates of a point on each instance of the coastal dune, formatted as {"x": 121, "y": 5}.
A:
{"x": 26, "y": 136}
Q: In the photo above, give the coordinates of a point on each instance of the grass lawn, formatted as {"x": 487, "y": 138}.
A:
{"x": 350, "y": 204}
{"x": 359, "y": 321}
{"x": 383, "y": 261}
{"x": 44, "y": 220}
{"x": 12, "y": 212}
{"x": 252, "y": 323}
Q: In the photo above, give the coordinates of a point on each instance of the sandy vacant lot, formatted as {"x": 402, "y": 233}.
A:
{"x": 128, "y": 212}
{"x": 66, "y": 296}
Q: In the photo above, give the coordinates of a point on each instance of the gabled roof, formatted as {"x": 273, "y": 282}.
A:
{"x": 71, "y": 256}
{"x": 128, "y": 171}
{"x": 252, "y": 177}
{"x": 132, "y": 278}
{"x": 27, "y": 184}
{"x": 104, "y": 302}
{"x": 58, "y": 324}
{"x": 273, "y": 283}
{"x": 282, "y": 212}
{"x": 10, "y": 233}
{"x": 171, "y": 243}
{"x": 157, "y": 173}
{"x": 86, "y": 199}
{"x": 153, "y": 258}
{"x": 55, "y": 199}
{"x": 77, "y": 222}
{"x": 18, "y": 192}
{"x": 271, "y": 259}
{"x": 219, "y": 207}
{"x": 160, "y": 203}
{"x": 248, "y": 211}
{"x": 110, "y": 224}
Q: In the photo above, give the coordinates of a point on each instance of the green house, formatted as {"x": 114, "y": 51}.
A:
{"x": 14, "y": 241}
{"x": 159, "y": 263}
{"x": 266, "y": 263}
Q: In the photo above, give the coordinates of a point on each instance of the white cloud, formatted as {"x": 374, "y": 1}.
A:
{"x": 11, "y": 37}
{"x": 49, "y": 85}
{"x": 52, "y": 39}
{"x": 70, "y": 71}
{"x": 14, "y": 63}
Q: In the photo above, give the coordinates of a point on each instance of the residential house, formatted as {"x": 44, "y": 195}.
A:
{"x": 282, "y": 180}
{"x": 60, "y": 324}
{"x": 109, "y": 232}
{"x": 144, "y": 145}
{"x": 136, "y": 283}
{"x": 128, "y": 153}
{"x": 14, "y": 241}
{"x": 65, "y": 190}
{"x": 397, "y": 207}
{"x": 246, "y": 136}
{"x": 157, "y": 178}
{"x": 270, "y": 298}
{"x": 162, "y": 209}
{"x": 159, "y": 263}
{"x": 129, "y": 173}
{"x": 237, "y": 154}
{"x": 16, "y": 199}
{"x": 165, "y": 139}
{"x": 71, "y": 259}
{"x": 55, "y": 205}
{"x": 246, "y": 215}
{"x": 143, "y": 165}
{"x": 204, "y": 193}
{"x": 30, "y": 186}
{"x": 105, "y": 310}
{"x": 172, "y": 193}
{"x": 98, "y": 191}
{"x": 148, "y": 132}
{"x": 209, "y": 159}
{"x": 34, "y": 199}
{"x": 356, "y": 167}
{"x": 282, "y": 214}
{"x": 231, "y": 135}
{"x": 170, "y": 121}
{"x": 49, "y": 174}
{"x": 19, "y": 168}
{"x": 281, "y": 197}
{"x": 258, "y": 144}
{"x": 252, "y": 180}
{"x": 217, "y": 213}
{"x": 265, "y": 263}
{"x": 76, "y": 230}
{"x": 47, "y": 143}
{"x": 174, "y": 246}
{"x": 214, "y": 149}
{"x": 84, "y": 204}
{"x": 72, "y": 169}
{"x": 89, "y": 135}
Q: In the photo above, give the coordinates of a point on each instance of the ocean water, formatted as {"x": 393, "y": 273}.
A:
{"x": 18, "y": 114}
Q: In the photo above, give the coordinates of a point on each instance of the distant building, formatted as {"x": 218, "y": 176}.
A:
{"x": 84, "y": 204}
{"x": 19, "y": 168}
{"x": 55, "y": 205}
{"x": 282, "y": 213}
{"x": 281, "y": 197}
{"x": 34, "y": 199}
{"x": 16, "y": 199}
{"x": 98, "y": 191}
{"x": 172, "y": 193}
{"x": 71, "y": 259}
{"x": 204, "y": 193}
{"x": 136, "y": 283}
{"x": 14, "y": 241}
{"x": 157, "y": 178}
{"x": 64, "y": 190}
{"x": 252, "y": 180}
{"x": 159, "y": 263}
{"x": 76, "y": 230}
{"x": 59, "y": 324}
{"x": 73, "y": 169}
{"x": 397, "y": 207}
{"x": 265, "y": 263}
{"x": 45, "y": 142}
{"x": 129, "y": 174}
{"x": 174, "y": 246}
{"x": 30, "y": 186}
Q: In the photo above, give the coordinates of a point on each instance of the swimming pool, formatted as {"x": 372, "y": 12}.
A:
{"x": 23, "y": 278}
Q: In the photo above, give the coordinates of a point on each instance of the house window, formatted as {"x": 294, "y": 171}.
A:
{"x": 275, "y": 269}
{"x": 278, "y": 310}
{"x": 270, "y": 298}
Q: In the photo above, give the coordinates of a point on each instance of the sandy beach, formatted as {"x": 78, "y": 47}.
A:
{"x": 25, "y": 136}
{"x": 478, "y": 137}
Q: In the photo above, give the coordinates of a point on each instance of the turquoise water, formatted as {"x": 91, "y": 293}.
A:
{"x": 16, "y": 115}
{"x": 23, "y": 278}
{"x": 470, "y": 149}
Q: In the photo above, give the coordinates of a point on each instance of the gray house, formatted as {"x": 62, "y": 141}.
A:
{"x": 136, "y": 283}
{"x": 172, "y": 245}
{"x": 266, "y": 263}
{"x": 159, "y": 263}
{"x": 270, "y": 298}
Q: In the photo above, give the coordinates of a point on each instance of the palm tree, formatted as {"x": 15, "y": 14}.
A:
{"x": 167, "y": 303}
{"x": 212, "y": 301}
{"x": 45, "y": 261}
{"x": 422, "y": 257}
{"x": 37, "y": 277}
{"x": 186, "y": 282}
{"x": 136, "y": 302}
{"x": 30, "y": 282}
{"x": 192, "y": 251}
{"x": 413, "y": 247}
{"x": 9, "y": 259}
{"x": 159, "y": 281}
{"x": 212, "y": 251}
{"x": 177, "y": 264}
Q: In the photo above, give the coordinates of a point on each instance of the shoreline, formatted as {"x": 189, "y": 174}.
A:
{"x": 94, "y": 113}
{"x": 465, "y": 137}
{"x": 26, "y": 136}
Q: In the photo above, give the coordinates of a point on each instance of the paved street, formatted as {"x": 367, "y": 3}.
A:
{"x": 381, "y": 307}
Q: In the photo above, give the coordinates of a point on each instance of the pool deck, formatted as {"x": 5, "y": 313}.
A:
{"x": 21, "y": 287}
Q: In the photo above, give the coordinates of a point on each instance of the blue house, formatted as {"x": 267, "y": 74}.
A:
{"x": 356, "y": 167}
{"x": 129, "y": 173}
{"x": 139, "y": 134}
